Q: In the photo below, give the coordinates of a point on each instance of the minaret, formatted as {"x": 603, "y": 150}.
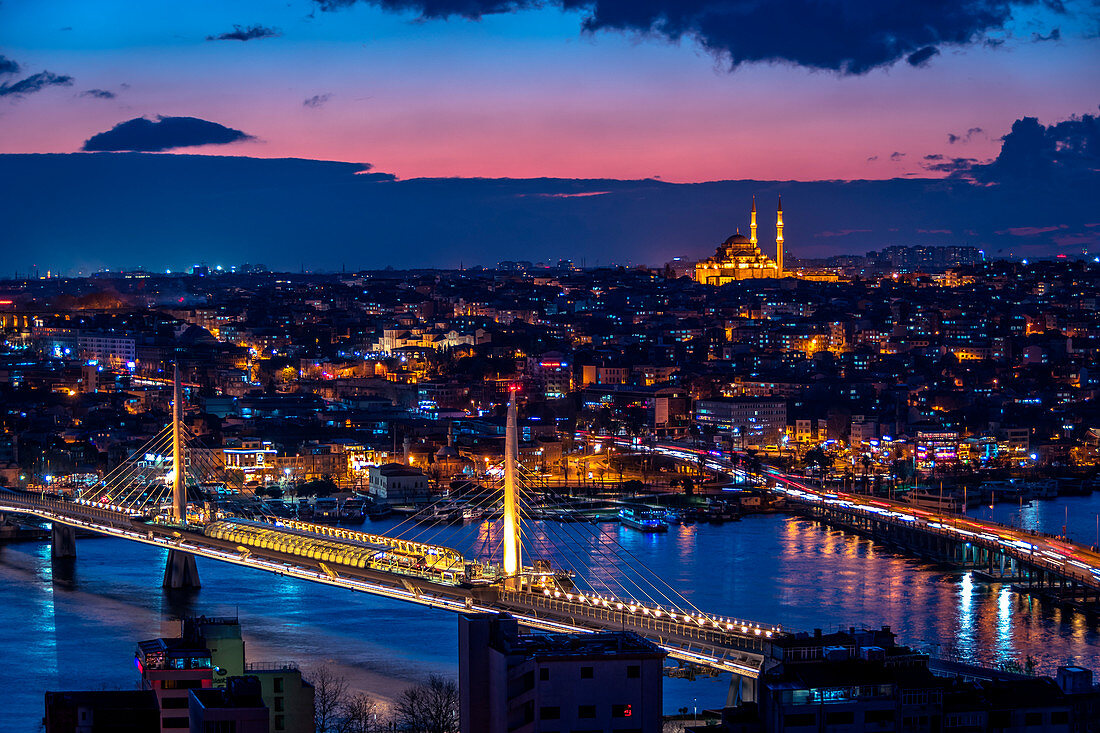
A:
{"x": 752, "y": 223}
{"x": 779, "y": 239}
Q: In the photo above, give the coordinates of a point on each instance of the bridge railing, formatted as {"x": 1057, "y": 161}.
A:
{"x": 756, "y": 640}
{"x": 1065, "y": 567}
{"x": 60, "y": 507}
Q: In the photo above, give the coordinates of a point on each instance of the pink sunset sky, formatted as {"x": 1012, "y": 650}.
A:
{"x": 524, "y": 94}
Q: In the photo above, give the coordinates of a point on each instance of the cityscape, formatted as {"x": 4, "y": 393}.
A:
{"x": 636, "y": 386}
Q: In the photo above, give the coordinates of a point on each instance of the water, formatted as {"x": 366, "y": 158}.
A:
{"x": 75, "y": 625}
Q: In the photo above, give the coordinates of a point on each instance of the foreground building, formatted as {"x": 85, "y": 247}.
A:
{"x": 198, "y": 681}
{"x": 856, "y": 681}
{"x": 551, "y": 683}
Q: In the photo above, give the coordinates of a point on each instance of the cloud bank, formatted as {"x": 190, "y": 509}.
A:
{"x": 163, "y": 133}
{"x": 845, "y": 36}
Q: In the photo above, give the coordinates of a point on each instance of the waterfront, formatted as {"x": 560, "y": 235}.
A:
{"x": 80, "y": 631}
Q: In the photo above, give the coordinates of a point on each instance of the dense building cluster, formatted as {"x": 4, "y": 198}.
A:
{"x": 302, "y": 376}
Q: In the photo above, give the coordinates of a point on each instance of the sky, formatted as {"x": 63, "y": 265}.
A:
{"x": 546, "y": 90}
{"x": 152, "y": 133}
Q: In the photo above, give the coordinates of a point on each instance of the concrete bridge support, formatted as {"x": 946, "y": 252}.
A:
{"x": 742, "y": 689}
{"x": 62, "y": 541}
{"x": 180, "y": 571}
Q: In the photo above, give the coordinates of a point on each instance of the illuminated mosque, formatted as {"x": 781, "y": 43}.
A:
{"x": 740, "y": 258}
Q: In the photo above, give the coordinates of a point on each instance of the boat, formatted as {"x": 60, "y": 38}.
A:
{"x": 643, "y": 518}
{"x": 305, "y": 509}
{"x": 326, "y": 510}
{"x": 278, "y": 508}
{"x": 672, "y": 517}
{"x": 1044, "y": 488}
{"x": 472, "y": 514}
{"x": 352, "y": 511}
{"x": 441, "y": 513}
{"x": 379, "y": 511}
{"x": 946, "y": 501}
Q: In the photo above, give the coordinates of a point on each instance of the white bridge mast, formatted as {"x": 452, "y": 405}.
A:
{"x": 512, "y": 560}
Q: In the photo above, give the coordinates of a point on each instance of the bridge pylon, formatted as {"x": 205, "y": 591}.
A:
{"x": 513, "y": 561}
{"x": 179, "y": 482}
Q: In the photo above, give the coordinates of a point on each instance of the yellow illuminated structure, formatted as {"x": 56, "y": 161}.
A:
{"x": 512, "y": 559}
{"x": 740, "y": 258}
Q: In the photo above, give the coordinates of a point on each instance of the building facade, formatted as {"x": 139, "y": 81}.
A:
{"x": 551, "y": 683}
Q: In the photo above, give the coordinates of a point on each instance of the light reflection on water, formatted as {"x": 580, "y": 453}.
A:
{"x": 75, "y": 626}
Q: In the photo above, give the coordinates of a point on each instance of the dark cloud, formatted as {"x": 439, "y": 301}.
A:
{"x": 952, "y": 138}
{"x": 98, "y": 94}
{"x": 872, "y": 158}
{"x": 940, "y": 164}
{"x": 1054, "y": 35}
{"x": 1067, "y": 150}
{"x": 7, "y": 66}
{"x": 846, "y": 36}
{"x": 896, "y": 156}
{"x": 34, "y": 83}
{"x": 317, "y": 100}
{"x": 921, "y": 57}
{"x": 163, "y": 133}
{"x": 246, "y": 33}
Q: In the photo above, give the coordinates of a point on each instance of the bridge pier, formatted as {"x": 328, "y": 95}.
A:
{"x": 742, "y": 689}
{"x": 62, "y": 541}
{"x": 180, "y": 571}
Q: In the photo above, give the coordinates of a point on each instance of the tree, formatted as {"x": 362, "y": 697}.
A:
{"x": 337, "y": 710}
{"x": 330, "y": 694}
{"x": 430, "y": 707}
{"x": 360, "y": 714}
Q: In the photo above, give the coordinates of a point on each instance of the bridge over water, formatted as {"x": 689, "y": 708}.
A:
{"x": 404, "y": 567}
{"x": 1055, "y": 568}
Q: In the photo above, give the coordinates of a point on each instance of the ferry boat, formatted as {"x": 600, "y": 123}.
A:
{"x": 472, "y": 514}
{"x": 946, "y": 501}
{"x": 644, "y": 519}
{"x": 326, "y": 511}
{"x": 379, "y": 511}
{"x": 352, "y": 511}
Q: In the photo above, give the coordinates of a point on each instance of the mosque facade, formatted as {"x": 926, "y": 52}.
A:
{"x": 740, "y": 258}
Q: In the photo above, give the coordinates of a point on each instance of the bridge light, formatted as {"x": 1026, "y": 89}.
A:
{"x": 657, "y": 613}
{"x": 744, "y": 629}
{"x": 757, "y": 632}
{"x": 729, "y": 627}
{"x": 633, "y": 609}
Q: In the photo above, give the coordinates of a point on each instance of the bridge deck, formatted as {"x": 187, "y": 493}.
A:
{"x": 698, "y": 638}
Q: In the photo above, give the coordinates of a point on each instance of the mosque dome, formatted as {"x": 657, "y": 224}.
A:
{"x": 737, "y": 245}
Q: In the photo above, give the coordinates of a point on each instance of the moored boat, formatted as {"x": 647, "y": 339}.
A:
{"x": 643, "y": 519}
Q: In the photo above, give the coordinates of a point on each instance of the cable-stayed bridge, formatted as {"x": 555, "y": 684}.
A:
{"x": 1033, "y": 562}
{"x": 568, "y": 577}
